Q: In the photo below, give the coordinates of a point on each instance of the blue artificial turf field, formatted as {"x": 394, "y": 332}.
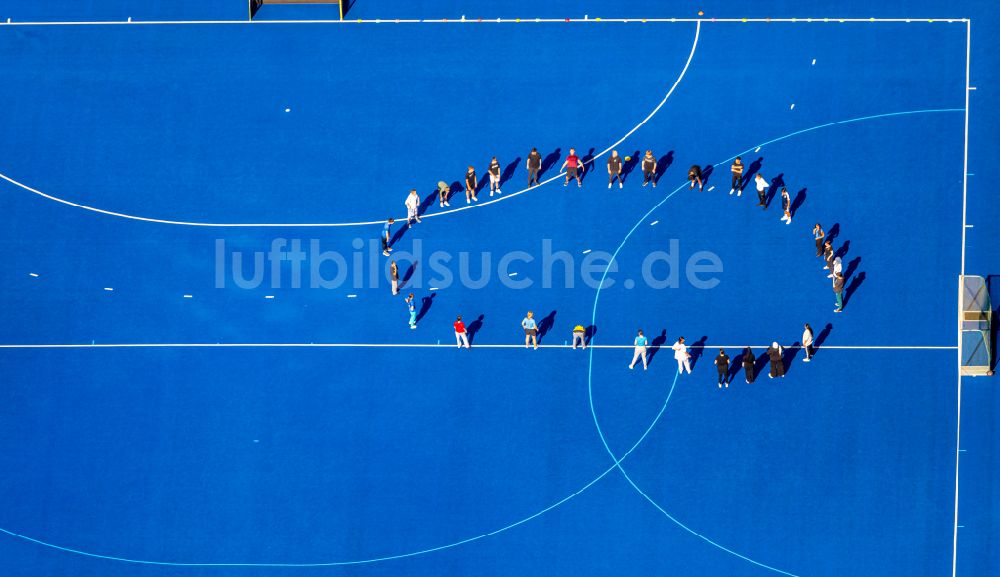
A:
{"x": 152, "y": 173}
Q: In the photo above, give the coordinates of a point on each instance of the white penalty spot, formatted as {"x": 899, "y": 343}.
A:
{"x": 288, "y": 110}
{"x": 711, "y": 189}
{"x": 33, "y": 274}
{"x": 512, "y": 274}
{"x": 188, "y": 296}
{"x": 433, "y": 288}
{"x": 654, "y": 223}
{"x": 352, "y": 296}
{"x": 587, "y": 251}
{"x": 109, "y": 289}
{"x": 269, "y": 296}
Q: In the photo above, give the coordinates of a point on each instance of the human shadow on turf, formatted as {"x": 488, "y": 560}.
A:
{"x": 776, "y": 184}
{"x": 798, "y": 201}
{"x": 408, "y": 275}
{"x": 587, "y": 162}
{"x": 851, "y": 268}
{"x": 854, "y": 285}
{"x": 588, "y": 334}
{"x": 629, "y": 165}
{"x": 401, "y": 229}
{"x": 843, "y": 250}
{"x": 508, "y": 171}
{"x": 760, "y": 365}
{"x": 750, "y": 172}
{"x": 735, "y": 366}
{"x": 833, "y": 233}
{"x": 426, "y": 202}
{"x": 549, "y": 161}
{"x": 654, "y": 346}
{"x": 789, "y": 355}
{"x": 821, "y": 338}
{"x": 662, "y": 164}
{"x": 474, "y": 328}
{"x": 425, "y": 306}
{"x": 545, "y": 325}
{"x": 697, "y": 350}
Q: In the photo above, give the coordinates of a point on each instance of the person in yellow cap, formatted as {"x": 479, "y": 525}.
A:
{"x": 580, "y": 333}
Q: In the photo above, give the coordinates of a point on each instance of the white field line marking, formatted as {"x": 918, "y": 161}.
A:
{"x": 346, "y": 21}
{"x": 694, "y": 46}
{"x": 420, "y": 345}
{"x": 965, "y": 188}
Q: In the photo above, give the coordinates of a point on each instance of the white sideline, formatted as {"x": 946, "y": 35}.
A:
{"x": 833, "y": 20}
{"x": 432, "y": 346}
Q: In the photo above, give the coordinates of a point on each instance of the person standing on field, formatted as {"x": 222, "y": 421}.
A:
{"x": 386, "y": 237}
{"x": 573, "y": 167}
{"x": 838, "y": 291}
{"x": 461, "y": 337}
{"x": 534, "y": 166}
{"x": 749, "y": 362}
{"x": 530, "y": 330}
{"x": 807, "y": 343}
{"x": 640, "y": 350}
{"x": 682, "y": 356}
{"x": 722, "y": 365}
{"x": 819, "y": 235}
{"x": 394, "y": 273}
{"x": 494, "y": 171}
{"x": 828, "y": 255}
{"x": 470, "y": 185}
{"x": 412, "y": 207}
{"x": 786, "y": 206}
{"x": 762, "y": 186}
{"x": 737, "y": 170}
{"x": 412, "y": 307}
{"x": 614, "y": 169}
{"x": 580, "y": 334}
{"x": 777, "y": 363}
{"x": 649, "y": 169}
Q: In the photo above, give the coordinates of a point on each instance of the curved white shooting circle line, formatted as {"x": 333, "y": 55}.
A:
{"x": 551, "y": 507}
{"x": 694, "y": 46}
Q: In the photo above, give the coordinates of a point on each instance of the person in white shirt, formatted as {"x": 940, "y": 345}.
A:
{"x": 761, "y": 190}
{"x": 807, "y": 343}
{"x": 412, "y": 206}
{"x": 682, "y": 356}
{"x": 838, "y": 267}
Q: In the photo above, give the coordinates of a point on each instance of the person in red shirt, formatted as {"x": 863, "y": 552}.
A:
{"x": 573, "y": 168}
{"x": 461, "y": 337}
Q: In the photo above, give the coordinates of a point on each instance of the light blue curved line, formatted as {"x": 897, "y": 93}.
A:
{"x": 375, "y": 560}
{"x": 593, "y": 320}
{"x": 616, "y": 465}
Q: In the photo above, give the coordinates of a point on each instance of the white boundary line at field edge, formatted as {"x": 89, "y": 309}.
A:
{"x": 427, "y": 345}
{"x": 958, "y": 350}
{"x": 596, "y": 20}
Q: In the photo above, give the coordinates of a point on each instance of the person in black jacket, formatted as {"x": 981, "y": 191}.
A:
{"x": 777, "y": 364}
{"x": 722, "y": 365}
{"x": 694, "y": 175}
{"x": 649, "y": 169}
{"x": 748, "y": 363}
